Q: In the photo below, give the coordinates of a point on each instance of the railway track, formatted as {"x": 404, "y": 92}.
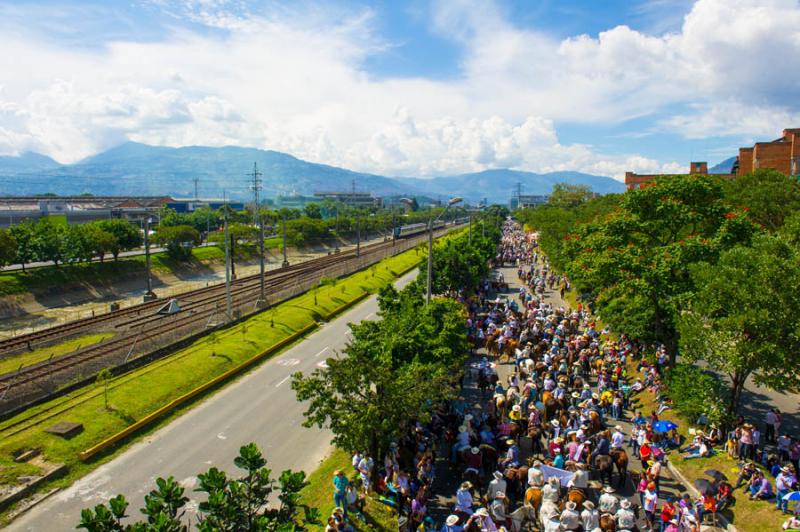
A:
{"x": 29, "y": 341}
{"x": 140, "y": 323}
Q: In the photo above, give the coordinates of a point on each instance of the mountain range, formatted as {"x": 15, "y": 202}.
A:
{"x": 139, "y": 169}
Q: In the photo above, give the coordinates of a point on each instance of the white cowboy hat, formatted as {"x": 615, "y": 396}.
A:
{"x": 625, "y": 503}
{"x": 555, "y": 423}
{"x": 498, "y": 475}
{"x": 537, "y": 463}
{"x": 557, "y": 451}
{"x": 588, "y": 505}
{"x": 618, "y": 427}
{"x": 451, "y": 520}
{"x": 570, "y": 505}
{"x": 468, "y": 417}
{"x": 609, "y": 489}
{"x": 587, "y": 387}
{"x": 462, "y": 428}
{"x": 474, "y": 450}
{"x": 516, "y": 408}
{"x": 482, "y": 512}
{"x": 466, "y": 485}
{"x": 595, "y": 396}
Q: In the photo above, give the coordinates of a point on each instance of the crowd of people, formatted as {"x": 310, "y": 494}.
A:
{"x": 541, "y": 437}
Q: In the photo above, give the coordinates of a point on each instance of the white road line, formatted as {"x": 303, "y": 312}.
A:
{"x": 284, "y": 380}
{"x": 318, "y": 354}
{"x": 369, "y": 315}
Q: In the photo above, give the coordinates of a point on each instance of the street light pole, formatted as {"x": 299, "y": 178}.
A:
{"x": 285, "y": 260}
{"x": 228, "y": 302}
{"x": 470, "y": 230}
{"x": 149, "y": 295}
{"x": 358, "y": 236}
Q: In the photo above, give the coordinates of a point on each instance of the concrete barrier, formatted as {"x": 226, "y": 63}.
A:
{"x": 188, "y": 396}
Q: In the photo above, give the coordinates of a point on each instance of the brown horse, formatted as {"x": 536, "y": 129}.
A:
{"x": 533, "y": 496}
{"x": 573, "y": 495}
{"x": 516, "y": 479}
{"x": 607, "y": 523}
{"x": 620, "y": 458}
{"x": 595, "y": 424}
{"x": 604, "y": 465}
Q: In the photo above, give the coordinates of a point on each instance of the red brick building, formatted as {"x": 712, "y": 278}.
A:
{"x": 782, "y": 154}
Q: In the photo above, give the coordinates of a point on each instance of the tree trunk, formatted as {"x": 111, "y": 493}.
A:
{"x": 374, "y": 449}
{"x": 737, "y": 386}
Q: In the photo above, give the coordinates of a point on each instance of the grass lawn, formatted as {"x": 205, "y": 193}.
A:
{"x": 10, "y": 364}
{"x": 177, "y": 374}
{"x": 47, "y": 277}
{"x": 319, "y": 494}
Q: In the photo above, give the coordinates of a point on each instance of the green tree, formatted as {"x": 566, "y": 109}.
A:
{"x": 49, "y": 241}
{"x": 568, "y": 195}
{"x": 393, "y": 371}
{"x": 635, "y": 261}
{"x": 768, "y": 195}
{"x": 24, "y": 235}
{"x": 178, "y": 240}
{"x": 232, "y": 504}
{"x": 126, "y": 234}
{"x": 313, "y": 210}
{"x": 8, "y": 248}
{"x": 743, "y": 320}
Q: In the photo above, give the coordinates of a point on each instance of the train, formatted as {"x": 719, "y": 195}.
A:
{"x": 406, "y": 231}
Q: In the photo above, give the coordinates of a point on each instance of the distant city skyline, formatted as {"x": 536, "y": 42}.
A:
{"x": 417, "y": 88}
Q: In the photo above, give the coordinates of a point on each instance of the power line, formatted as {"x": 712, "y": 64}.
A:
{"x": 255, "y": 186}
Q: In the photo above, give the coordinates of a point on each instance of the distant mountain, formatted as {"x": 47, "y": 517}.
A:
{"x": 27, "y": 162}
{"x": 724, "y": 167}
{"x": 139, "y": 169}
{"x": 500, "y": 185}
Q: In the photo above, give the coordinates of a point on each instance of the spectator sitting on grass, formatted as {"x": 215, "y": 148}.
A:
{"x": 747, "y": 472}
{"x": 760, "y": 487}
{"x": 701, "y": 451}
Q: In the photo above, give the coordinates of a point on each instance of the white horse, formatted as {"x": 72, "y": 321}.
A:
{"x": 524, "y": 515}
{"x": 548, "y": 509}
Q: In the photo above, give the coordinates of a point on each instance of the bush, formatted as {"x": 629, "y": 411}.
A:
{"x": 694, "y": 391}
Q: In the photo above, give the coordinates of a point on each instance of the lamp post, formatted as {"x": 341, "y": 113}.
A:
{"x": 149, "y": 295}
{"x": 285, "y": 259}
{"x": 431, "y": 221}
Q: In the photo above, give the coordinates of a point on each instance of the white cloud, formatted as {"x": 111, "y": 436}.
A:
{"x": 294, "y": 81}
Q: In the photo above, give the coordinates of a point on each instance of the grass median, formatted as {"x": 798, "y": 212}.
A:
{"x": 12, "y": 363}
{"x": 176, "y": 375}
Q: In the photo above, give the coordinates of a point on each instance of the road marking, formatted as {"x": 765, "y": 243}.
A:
{"x": 322, "y": 364}
{"x": 318, "y": 354}
{"x": 369, "y": 315}
{"x": 289, "y": 362}
{"x": 284, "y": 380}
{"x": 222, "y": 436}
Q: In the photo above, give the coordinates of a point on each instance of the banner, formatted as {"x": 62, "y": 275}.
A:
{"x": 562, "y": 475}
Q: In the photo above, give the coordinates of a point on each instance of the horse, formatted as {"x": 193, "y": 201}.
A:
{"x": 533, "y": 497}
{"x": 595, "y": 424}
{"x": 535, "y": 435}
{"x": 620, "y": 458}
{"x": 522, "y": 516}
{"x": 607, "y": 523}
{"x": 573, "y": 495}
{"x": 516, "y": 479}
{"x": 604, "y": 465}
{"x": 488, "y": 458}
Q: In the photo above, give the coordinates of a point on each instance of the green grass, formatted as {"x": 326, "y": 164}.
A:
{"x": 177, "y": 374}
{"x": 45, "y": 278}
{"x": 9, "y": 364}
{"x": 319, "y": 494}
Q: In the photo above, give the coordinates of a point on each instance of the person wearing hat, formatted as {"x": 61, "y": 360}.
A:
{"x": 783, "y": 486}
{"x": 590, "y": 517}
{"x": 461, "y": 443}
{"x": 558, "y": 459}
{"x": 580, "y": 478}
{"x": 498, "y": 483}
{"x": 625, "y": 516}
{"x": 464, "y": 499}
{"x": 497, "y": 509}
{"x": 451, "y": 524}
{"x": 474, "y": 461}
{"x": 551, "y": 492}
{"x": 536, "y": 475}
{"x": 512, "y": 455}
{"x": 515, "y": 416}
{"x": 618, "y": 438}
{"x": 570, "y": 518}
{"x": 608, "y": 502}
{"x": 482, "y": 519}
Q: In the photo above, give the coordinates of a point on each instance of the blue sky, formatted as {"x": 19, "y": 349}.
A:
{"x": 422, "y": 87}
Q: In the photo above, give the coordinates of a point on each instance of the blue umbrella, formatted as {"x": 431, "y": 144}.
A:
{"x": 664, "y": 426}
{"x": 793, "y": 496}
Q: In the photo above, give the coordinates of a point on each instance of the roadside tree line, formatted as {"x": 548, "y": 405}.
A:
{"x": 706, "y": 266}
{"x": 397, "y": 370}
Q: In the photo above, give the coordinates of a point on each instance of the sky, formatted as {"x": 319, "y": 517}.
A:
{"x": 405, "y": 88}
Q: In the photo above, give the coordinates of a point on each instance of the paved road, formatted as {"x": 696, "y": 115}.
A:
{"x": 259, "y": 407}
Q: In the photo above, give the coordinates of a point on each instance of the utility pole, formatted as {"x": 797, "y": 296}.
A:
{"x": 196, "y": 181}
{"x": 470, "y": 230}
{"x": 256, "y": 186}
{"x": 430, "y": 262}
{"x": 228, "y": 303}
{"x": 149, "y": 295}
{"x": 285, "y": 260}
{"x": 336, "y": 230}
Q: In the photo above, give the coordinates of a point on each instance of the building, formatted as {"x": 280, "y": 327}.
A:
{"x": 190, "y": 205}
{"x": 77, "y": 209}
{"x": 527, "y": 200}
{"x": 781, "y": 154}
{"x": 294, "y": 201}
{"x": 355, "y": 199}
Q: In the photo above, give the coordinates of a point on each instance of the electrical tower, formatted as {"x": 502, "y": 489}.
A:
{"x": 255, "y": 185}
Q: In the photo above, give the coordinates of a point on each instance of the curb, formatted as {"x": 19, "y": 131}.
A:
{"x": 175, "y": 403}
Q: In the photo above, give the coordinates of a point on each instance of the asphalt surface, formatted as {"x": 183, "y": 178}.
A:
{"x": 259, "y": 407}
